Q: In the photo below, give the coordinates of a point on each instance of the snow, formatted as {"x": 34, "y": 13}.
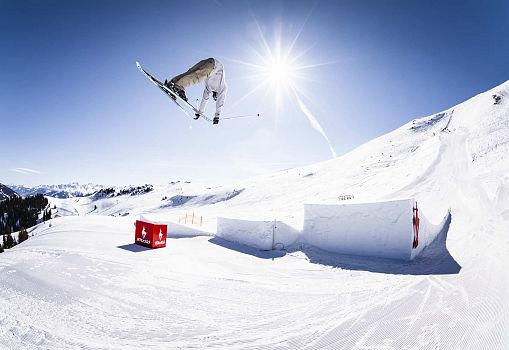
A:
{"x": 260, "y": 234}
{"x": 257, "y": 234}
{"x": 378, "y": 229}
{"x": 176, "y": 230}
{"x": 82, "y": 283}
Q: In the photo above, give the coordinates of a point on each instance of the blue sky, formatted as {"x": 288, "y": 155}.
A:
{"x": 73, "y": 106}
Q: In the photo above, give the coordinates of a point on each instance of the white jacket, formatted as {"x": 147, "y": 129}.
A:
{"x": 215, "y": 83}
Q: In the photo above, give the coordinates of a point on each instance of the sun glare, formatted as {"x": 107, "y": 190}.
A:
{"x": 280, "y": 71}
{"x": 276, "y": 66}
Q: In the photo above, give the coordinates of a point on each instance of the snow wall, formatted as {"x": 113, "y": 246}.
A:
{"x": 175, "y": 230}
{"x": 265, "y": 235}
{"x": 380, "y": 229}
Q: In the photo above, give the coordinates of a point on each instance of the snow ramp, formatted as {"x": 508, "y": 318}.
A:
{"x": 261, "y": 234}
{"x": 394, "y": 229}
{"x": 175, "y": 230}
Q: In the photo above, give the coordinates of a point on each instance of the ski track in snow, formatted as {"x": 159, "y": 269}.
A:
{"x": 81, "y": 284}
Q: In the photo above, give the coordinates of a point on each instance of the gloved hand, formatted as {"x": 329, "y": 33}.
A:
{"x": 216, "y": 119}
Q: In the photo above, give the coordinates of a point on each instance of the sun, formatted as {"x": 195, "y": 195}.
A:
{"x": 275, "y": 66}
{"x": 280, "y": 71}
{"x": 277, "y": 69}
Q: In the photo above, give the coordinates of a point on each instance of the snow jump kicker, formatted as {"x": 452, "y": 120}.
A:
{"x": 389, "y": 229}
{"x": 393, "y": 229}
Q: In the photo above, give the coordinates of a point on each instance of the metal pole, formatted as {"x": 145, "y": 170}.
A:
{"x": 273, "y": 233}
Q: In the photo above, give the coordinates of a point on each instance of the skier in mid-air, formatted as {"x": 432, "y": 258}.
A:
{"x": 212, "y": 71}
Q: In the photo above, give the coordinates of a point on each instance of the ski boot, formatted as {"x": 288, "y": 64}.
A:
{"x": 176, "y": 89}
{"x": 215, "y": 120}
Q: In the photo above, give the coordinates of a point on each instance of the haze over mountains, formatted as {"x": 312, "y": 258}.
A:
{"x": 58, "y": 191}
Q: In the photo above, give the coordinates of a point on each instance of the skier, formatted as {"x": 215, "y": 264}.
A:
{"x": 210, "y": 70}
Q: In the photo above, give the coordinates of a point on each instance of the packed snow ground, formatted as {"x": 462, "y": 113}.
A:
{"x": 81, "y": 283}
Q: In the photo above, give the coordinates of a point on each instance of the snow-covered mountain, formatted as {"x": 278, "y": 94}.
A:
{"x": 6, "y": 192}
{"x": 58, "y": 191}
{"x": 205, "y": 292}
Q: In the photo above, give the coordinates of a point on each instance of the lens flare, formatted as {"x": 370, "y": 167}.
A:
{"x": 280, "y": 73}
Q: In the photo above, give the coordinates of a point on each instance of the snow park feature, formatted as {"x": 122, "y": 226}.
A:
{"x": 394, "y": 229}
{"x": 260, "y": 234}
{"x": 389, "y": 229}
{"x": 150, "y": 235}
{"x": 256, "y": 234}
{"x": 176, "y": 229}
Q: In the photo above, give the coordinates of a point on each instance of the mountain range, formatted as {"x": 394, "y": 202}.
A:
{"x": 58, "y": 191}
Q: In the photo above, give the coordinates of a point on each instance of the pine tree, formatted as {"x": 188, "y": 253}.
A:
{"x": 9, "y": 242}
{"x": 46, "y": 215}
{"x": 23, "y": 235}
{"x": 20, "y": 212}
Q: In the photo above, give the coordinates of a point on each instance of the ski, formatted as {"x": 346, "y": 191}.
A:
{"x": 174, "y": 97}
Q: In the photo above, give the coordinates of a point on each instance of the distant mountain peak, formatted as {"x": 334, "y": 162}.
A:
{"x": 69, "y": 190}
{"x": 6, "y": 192}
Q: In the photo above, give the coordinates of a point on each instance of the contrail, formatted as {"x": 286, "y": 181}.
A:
{"x": 26, "y": 171}
{"x": 314, "y": 122}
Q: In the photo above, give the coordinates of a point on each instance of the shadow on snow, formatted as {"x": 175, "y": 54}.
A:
{"x": 241, "y": 248}
{"x": 435, "y": 259}
{"x": 135, "y": 248}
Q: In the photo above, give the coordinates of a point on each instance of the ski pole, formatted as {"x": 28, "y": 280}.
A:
{"x": 242, "y": 116}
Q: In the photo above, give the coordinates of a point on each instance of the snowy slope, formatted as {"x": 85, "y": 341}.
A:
{"x": 174, "y": 195}
{"x": 6, "y": 192}
{"x": 81, "y": 283}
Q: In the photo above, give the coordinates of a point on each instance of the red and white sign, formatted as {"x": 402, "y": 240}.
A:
{"x": 150, "y": 235}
